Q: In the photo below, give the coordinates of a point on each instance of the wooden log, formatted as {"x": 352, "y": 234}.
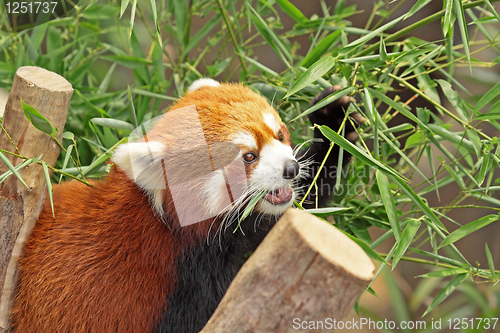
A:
{"x": 49, "y": 94}
{"x": 304, "y": 268}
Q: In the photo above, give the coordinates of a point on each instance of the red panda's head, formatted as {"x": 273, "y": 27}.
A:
{"x": 216, "y": 149}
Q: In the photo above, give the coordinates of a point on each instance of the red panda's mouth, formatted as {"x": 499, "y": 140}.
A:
{"x": 279, "y": 196}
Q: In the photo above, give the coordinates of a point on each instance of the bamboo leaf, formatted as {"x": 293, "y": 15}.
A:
{"x": 468, "y": 229}
{"x": 416, "y": 7}
{"x": 462, "y": 25}
{"x": 249, "y": 208}
{"x": 443, "y": 294}
{"x": 390, "y": 207}
{"x": 320, "y": 49}
{"x": 405, "y": 241}
{"x": 446, "y": 24}
{"x": 488, "y": 97}
{"x": 327, "y": 100}
{"x": 373, "y": 34}
{"x": 49, "y": 186}
{"x": 113, "y": 123}
{"x": 444, "y": 272}
{"x": 492, "y": 9}
{"x": 292, "y": 11}
{"x": 490, "y": 261}
{"x": 369, "y": 251}
{"x": 313, "y": 73}
{"x": 37, "y": 120}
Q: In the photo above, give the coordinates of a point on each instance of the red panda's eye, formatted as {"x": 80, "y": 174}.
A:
{"x": 249, "y": 157}
{"x": 281, "y": 136}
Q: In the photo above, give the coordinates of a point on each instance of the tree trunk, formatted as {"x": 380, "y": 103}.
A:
{"x": 49, "y": 94}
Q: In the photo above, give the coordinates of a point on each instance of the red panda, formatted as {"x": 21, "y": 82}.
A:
{"x": 152, "y": 247}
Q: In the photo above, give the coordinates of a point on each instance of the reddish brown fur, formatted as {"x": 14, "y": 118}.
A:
{"x": 124, "y": 255}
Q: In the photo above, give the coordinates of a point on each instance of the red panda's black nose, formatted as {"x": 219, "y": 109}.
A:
{"x": 291, "y": 169}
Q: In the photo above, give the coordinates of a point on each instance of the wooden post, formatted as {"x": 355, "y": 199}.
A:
{"x": 304, "y": 268}
{"x": 49, "y": 94}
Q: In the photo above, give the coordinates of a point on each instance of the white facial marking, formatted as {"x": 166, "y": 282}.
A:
{"x": 270, "y": 121}
{"x": 268, "y": 174}
{"x": 216, "y": 193}
{"x": 205, "y": 82}
{"x": 246, "y": 139}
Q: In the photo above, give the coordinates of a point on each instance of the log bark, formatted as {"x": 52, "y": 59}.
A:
{"x": 49, "y": 94}
{"x": 305, "y": 268}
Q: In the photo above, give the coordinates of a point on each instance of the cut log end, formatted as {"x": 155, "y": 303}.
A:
{"x": 44, "y": 79}
{"x": 332, "y": 244}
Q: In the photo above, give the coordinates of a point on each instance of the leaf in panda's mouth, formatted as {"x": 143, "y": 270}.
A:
{"x": 249, "y": 208}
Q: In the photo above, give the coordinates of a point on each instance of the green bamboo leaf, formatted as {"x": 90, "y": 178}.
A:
{"x": 327, "y": 100}
{"x": 313, "y": 73}
{"x": 388, "y": 200}
{"x": 382, "y": 51}
{"x": 369, "y": 251}
{"x": 66, "y": 159}
{"x": 259, "y": 66}
{"x": 180, "y": 16}
{"x": 123, "y": 7}
{"x": 292, "y": 11}
{"x": 152, "y": 94}
{"x": 128, "y": 61}
{"x": 452, "y": 137}
{"x": 416, "y": 7}
{"x": 103, "y": 158}
{"x": 320, "y": 49}
{"x": 405, "y": 241}
{"x": 113, "y": 123}
{"x": 450, "y": 287}
{"x": 36, "y": 119}
{"x": 446, "y": 24}
{"x": 422, "y": 61}
{"x": 132, "y": 18}
{"x": 326, "y": 211}
{"x": 444, "y": 273}
{"x": 364, "y": 58}
{"x": 68, "y": 136}
{"x": 373, "y": 34}
{"x": 440, "y": 258}
{"x": 490, "y": 261}
{"x": 397, "y": 106}
{"x": 454, "y": 99}
{"x": 492, "y": 9}
{"x": 468, "y": 229}
{"x": 49, "y": 186}
{"x": 195, "y": 40}
{"x": 155, "y": 21}
{"x": 462, "y": 25}
{"x": 249, "y": 208}
{"x": 107, "y": 79}
{"x": 90, "y": 105}
{"x": 485, "y": 166}
{"x": 488, "y": 97}
{"x": 270, "y": 36}
{"x": 9, "y": 173}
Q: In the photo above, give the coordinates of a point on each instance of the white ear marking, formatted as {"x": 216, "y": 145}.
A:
{"x": 204, "y": 82}
{"x": 141, "y": 162}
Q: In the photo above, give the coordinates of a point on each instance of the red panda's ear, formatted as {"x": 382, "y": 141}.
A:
{"x": 142, "y": 163}
{"x": 200, "y": 83}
